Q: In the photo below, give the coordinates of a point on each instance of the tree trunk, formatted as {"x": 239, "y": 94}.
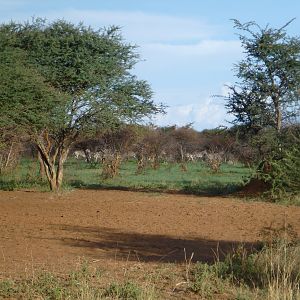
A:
{"x": 9, "y": 155}
{"x": 60, "y": 167}
{"x": 181, "y": 153}
{"x": 51, "y": 175}
{"x": 42, "y": 166}
{"x": 49, "y": 165}
{"x": 52, "y": 154}
{"x": 52, "y": 184}
{"x": 54, "y": 174}
{"x": 279, "y": 120}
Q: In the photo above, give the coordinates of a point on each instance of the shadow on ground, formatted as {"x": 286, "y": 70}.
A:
{"x": 148, "y": 247}
{"x": 187, "y": 189}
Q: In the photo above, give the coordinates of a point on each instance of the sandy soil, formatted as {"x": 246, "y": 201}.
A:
{"x": 53, "y": 232}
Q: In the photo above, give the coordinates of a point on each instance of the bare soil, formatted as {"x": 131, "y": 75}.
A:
{"x": 55, "y": 232}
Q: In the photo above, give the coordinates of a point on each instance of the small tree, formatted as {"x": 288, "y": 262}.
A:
{"x": 266, "y": 100}
{"x": 118, "y": 143}
{"x": 186, "y": 140}
{"x": 267, "y": 93}
{"x": 79, "y": 82}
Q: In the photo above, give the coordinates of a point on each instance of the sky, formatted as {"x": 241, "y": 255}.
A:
{"x": 188, "y": 48}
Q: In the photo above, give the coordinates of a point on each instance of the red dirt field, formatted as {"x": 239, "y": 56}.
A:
{"x": 53, "y": 232}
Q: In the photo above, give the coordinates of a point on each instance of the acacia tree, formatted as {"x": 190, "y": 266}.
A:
{"x": 267, "y": 93}
{"x": 266, "y": 100}
{"x": 80, "y": 82}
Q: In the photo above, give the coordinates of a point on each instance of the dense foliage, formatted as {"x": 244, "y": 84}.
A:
{"x": 267, "y": 93}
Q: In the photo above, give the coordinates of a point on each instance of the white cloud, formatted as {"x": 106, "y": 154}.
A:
{"x": 193, "y": 113}
{"x": 142, "y": 27}
{"x": 194, "y": 59}
{"x": 202, "y": 48}
{"x": 11, "y": 3}
{"x": 207, "y": 113}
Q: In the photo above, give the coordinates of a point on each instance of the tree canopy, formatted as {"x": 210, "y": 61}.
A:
{"x": 267, "y": 93}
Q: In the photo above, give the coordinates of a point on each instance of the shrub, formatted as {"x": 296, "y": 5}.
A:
{"x": 111, "y": 167}
{"x": 282, "y": 174}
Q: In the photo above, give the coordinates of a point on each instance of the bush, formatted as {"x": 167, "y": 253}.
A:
{"x": 282, "y": 174}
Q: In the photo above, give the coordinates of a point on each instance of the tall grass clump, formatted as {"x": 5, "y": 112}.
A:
{"x": 272, "y": 273}
{"x": 207, "y": 280}
{"x": 282, "y": 271}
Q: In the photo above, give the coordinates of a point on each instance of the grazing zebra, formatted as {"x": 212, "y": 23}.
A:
{"x": 79, "y": 154}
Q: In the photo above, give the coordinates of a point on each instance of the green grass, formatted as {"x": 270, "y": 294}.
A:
{"x": 25, "y": 175}
{"x": 198, "y": 179}
{"x": 86, "y": 283}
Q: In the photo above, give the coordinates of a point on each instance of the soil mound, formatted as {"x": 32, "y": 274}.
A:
{"x": 255, "y": 187}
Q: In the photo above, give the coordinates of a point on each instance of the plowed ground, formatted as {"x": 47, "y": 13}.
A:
{"x": 45, "y": 231}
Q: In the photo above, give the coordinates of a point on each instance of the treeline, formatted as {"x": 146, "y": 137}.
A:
{"x": 153, "y": 145}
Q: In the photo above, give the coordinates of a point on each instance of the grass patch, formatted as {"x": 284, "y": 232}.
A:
{"x": 86, "y": 283}
{"x": 127, "y": 290}
{"x": 198, "y": 179}
{"x": 24, "y": 176}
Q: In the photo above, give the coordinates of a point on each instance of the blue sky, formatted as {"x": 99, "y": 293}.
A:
{"x": 188, "y": 47}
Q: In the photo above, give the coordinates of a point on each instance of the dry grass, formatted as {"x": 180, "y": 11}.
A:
{"x": 272, "y": 273}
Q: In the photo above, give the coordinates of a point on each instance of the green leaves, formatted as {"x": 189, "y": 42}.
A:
{"x": 59, "y": 81}
{"x": 26, "y": 100}
{"x": 269, "y": 78}
{"x": 265, "y": 100}
{"x": 75, "y": 58}
{"x": 86, "y": 69}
